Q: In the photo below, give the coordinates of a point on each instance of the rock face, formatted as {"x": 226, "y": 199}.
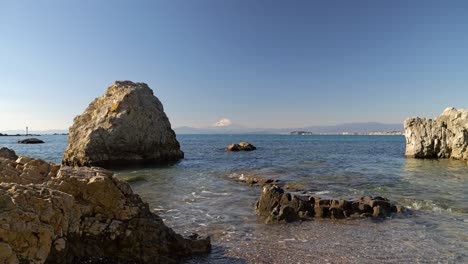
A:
{"x": 242, "y": 146}
{"x": 277, "y": 206}
{"x": 446, "y": 136}
{"x": 127, "y": 125}
{"x": 31, "y": 141}
{"x": 60, "y": 214}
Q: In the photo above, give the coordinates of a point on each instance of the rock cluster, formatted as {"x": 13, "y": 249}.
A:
{"x": 242, "y": 146}
{"x": 446, "y": 136}
{"x": 276, "y": 206}
{"x": 127, "y": 125}
{"x": 60, "y": 214}
{"x": 30, "y": 141}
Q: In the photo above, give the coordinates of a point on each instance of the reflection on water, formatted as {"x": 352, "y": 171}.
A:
{"x": 198, "y": 194}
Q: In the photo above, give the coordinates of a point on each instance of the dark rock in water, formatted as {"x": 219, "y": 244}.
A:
{"x": 60, "y": 214}
{"x": 31, "y": 141}
{"x": 125, "y": 126}
{"x": 277, "y": 206}
{"x": 7, "y": 153}
{"x": 242, "y": 146}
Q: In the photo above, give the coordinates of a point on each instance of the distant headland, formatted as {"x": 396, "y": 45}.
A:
{"x": 373, "y": 133}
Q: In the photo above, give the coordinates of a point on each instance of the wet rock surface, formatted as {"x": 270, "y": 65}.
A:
{"x": 242, "y": 146}
{"x": 60, "y": 214}
{"x": 277, "y": 206}
{"x": 446, "y": 136}
{"x": 30, "y": 141}
{"x": 125, "y": 126}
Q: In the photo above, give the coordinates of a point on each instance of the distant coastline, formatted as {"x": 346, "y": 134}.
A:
{"x": 19, "y": 135}
{"x": 374, "y": 133}
{"x": 32, "y": 135}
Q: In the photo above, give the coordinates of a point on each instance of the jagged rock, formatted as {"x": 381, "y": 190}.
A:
{"x": 31, "y": 141}
{"x": 67, "y": 214}
{"x": 446, "y": 136}
{"x": 8, "y": 154}
{"x": 242, "y": 146}
{"x": 127, "y": 125}
{"x": 277, "y": 206}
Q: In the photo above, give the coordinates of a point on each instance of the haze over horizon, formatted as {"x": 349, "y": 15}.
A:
{"x": 261, "y": 64}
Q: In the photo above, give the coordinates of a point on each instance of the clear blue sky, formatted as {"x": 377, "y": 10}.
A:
{"x": 258, "y": 63}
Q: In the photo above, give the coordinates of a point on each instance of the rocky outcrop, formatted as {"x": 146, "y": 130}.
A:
{"x": 30, "y": 141}
{"x": 446, "y": 136}
{"x": 277, "y": 206}
{"x": 242, "y": 146}
{"x": 127, "y": 125}
{"x": 7, "y": 154}
{"x": 60, "y": 214}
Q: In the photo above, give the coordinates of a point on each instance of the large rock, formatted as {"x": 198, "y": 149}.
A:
{"x": 126, "y": 125}
{"x": 277, "y": 206}
{"x": 446, "y": 136}
{"x": 60, "y": 214}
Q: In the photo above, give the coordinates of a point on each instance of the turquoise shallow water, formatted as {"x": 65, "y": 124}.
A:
{"x": 200, "y": 194}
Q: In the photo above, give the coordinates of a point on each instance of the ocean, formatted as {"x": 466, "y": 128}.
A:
{"x": 201, "y": 194}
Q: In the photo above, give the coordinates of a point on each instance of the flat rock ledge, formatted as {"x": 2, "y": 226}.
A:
{"x": 446, "y": 136}
{"x": 60, "y": 214}
{"x": 242, "y": 146}
{"x": 125, "y": 126}
{"x": 277, "y": 206}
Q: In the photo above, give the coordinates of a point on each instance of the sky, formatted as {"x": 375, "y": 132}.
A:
{"x": 256, "y": 63}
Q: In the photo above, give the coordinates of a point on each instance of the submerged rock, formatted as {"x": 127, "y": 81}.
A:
{"x": 242, "y": 146}
{"x": 276, "y": 206}
{"x": 31, "y": 141}
{"x": 60, "y": 214}
{"x": 127, "y": 125}
{"x": 256, "y": 180}
{"x": 446, "y": 136}
{"x": 133, "y": 179}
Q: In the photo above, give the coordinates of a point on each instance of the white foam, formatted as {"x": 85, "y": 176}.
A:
{"x": 215, "y": 193}
{"x": 322, "y": 192}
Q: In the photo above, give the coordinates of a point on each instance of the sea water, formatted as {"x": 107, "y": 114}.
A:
{"x": 202, "y": 194}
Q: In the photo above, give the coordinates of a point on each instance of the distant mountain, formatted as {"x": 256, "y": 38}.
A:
{"x": 341, "y": 128}
{"x": 211, "y": 130}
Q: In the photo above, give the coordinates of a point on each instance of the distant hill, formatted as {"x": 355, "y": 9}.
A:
{"x": 366, "y": 127}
